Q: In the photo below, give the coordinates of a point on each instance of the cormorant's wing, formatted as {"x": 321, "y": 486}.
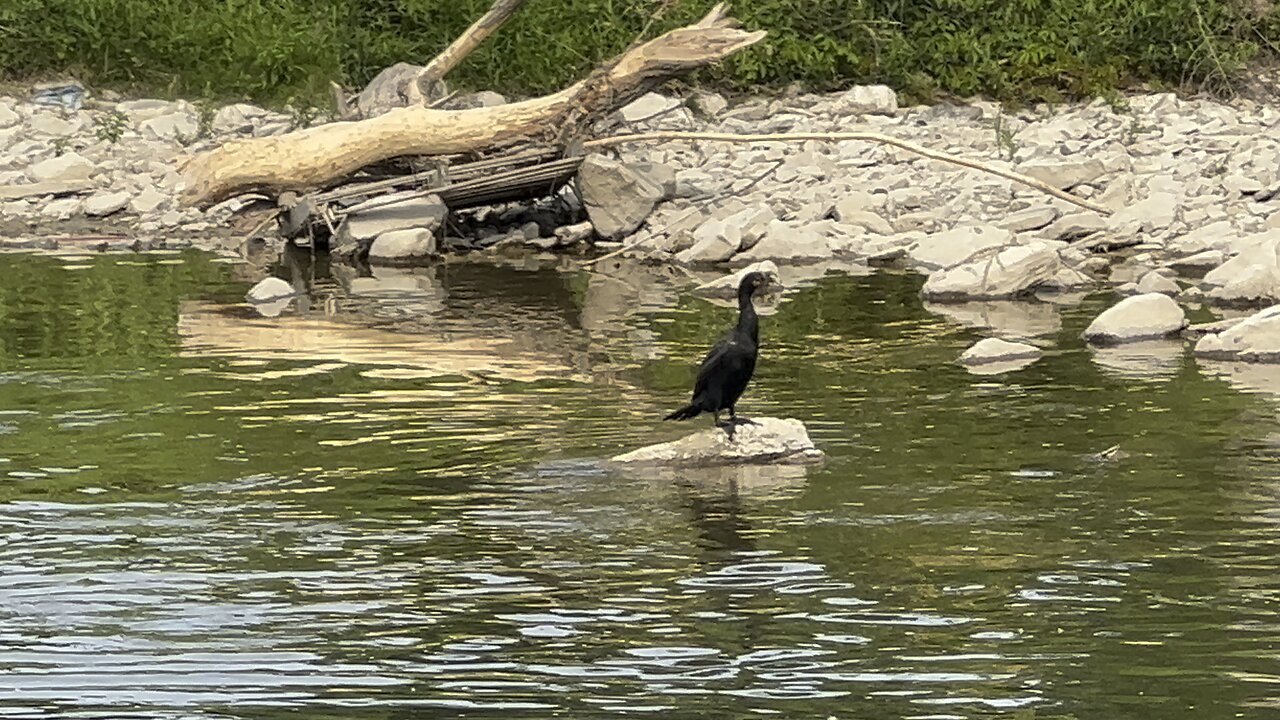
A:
{"x": 717, "y": 357}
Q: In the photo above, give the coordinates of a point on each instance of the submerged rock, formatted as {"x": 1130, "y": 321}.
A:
{"x": 763, "y": 440}
{"x": 1141, "y": 317}
{"x": 994, "y": 350}
{"x": 1251, "y": 276}
{"x": 1254, "y": 339}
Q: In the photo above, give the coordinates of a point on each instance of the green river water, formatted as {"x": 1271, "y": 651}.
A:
{"x": 387, "y": 502}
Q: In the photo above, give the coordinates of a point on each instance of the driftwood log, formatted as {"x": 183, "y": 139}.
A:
{"x": 325, "y": 155}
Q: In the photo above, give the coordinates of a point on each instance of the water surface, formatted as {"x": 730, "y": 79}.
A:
{"x": 386, "y": 502}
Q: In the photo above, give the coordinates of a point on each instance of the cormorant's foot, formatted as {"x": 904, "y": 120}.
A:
{"x": 743, "y": 421}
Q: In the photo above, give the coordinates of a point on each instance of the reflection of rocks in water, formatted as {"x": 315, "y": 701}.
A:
{"x": 1005, "y": 318}
{"x": 752, "y": 481}
{"x": 1255, "y": 378}
{"x": 619, "y": 290}
{"x": 211, "y": 330}
{"x": 396, "y": 293}
{"x": 1146, "y": 360}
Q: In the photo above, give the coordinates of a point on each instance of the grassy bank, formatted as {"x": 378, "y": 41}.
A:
{"x": 275, "y": 50}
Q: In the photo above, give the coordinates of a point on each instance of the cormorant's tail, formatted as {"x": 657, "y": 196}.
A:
{"x": 684, "y": 413}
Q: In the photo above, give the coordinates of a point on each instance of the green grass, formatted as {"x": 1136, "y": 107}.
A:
{"x": 280, "y": 51}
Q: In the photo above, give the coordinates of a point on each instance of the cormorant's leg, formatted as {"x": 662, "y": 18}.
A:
{"x": 717, "y": 417}
{"x": 734, "y": 419}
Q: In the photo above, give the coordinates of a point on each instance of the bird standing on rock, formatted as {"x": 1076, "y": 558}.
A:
{"x": 728, "y": 367}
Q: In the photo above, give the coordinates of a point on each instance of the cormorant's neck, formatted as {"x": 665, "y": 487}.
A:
{"x": 747, "y": 321}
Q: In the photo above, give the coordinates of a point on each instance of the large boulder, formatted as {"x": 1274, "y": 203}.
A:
{"x": 617, "y": 196}
{"x": 1142, "y": 317}
{"x": 68, "y": 166}
{"x": 763, "y": 440}
{"x": 1255, "y": 339}
{"x": 996, "y": 273}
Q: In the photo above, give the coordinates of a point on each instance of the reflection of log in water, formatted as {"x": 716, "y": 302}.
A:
{"x": 211, "y": 330}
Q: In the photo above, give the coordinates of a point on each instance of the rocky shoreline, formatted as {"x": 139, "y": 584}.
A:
{"x": 1193, "y": 186}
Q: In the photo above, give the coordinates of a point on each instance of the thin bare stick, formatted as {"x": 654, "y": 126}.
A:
{"x": 460, "y": 48}
{"x": 864, "y": 136}
{"x": 616, "y": 253}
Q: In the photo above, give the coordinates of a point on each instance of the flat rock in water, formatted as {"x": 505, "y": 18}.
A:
{"x": 1251, "y": 276}
{"x": 763, "y": 440}
{"x": 994, "y": 350}
{"x": 1141, "y": 317}
{"x": 995, "y": 273}
{"x": 727, "y": 286}
{"x": 268, "y": 289}
{"x": 1254, "y": 339}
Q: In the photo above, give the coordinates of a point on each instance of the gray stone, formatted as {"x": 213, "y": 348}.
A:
{"x": 990, "y": 350}
{"x": 1151, "y": 214}
{"x": 868, "y": 100}
{"x": 386, "y": 90}
{"x": 752, "y": 224}
{"x": 1064, "y": 174}
{"x": 1032, "y": 218}
{"x": 181, "y": 126}
{"x": 618, "y": 199}
{"x": 105, "y": 203}
{"x": 573, "y": 234}
{"x": 649, "y": 105}
{"x": 142, "y": 110}
{"x": 1154, "y": 282}
{"x": 710, "y": 104}
{"x": 482, "y": 99}
{"x": 1142, "y": 317}
{"x": 147, "y": 201}
{"x": 764, "y": 440}
{"x": 937, "y": 251}
{"x": 658, "y": 174}
{"x": 531, "y": 230}
{"x": 402, "y": 246}
{"x": 1075, "y": 226}
{"x": 400, "y": 211}
{"x": 236, "y": 119}
{"x": 995, "y": 273}
{"x": 69, "y": 166}
{"x": 1254, "y": 339}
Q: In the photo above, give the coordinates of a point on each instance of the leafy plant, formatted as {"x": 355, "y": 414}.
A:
{"x": 109, "y": 126}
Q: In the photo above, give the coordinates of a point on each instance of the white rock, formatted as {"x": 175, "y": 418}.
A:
{"x": 764, "y": 440}
{"x": 789, "y": 243}
{"x": 937, "y": 251}
{"x": 1065, "y": 174}
{"x": 710, "y": 104}
{"x": 400, "y": 211}
{"x": 68, "y": 166}
{"x": 990, "y": 350}
{"x": 869, "y": 100}
{"x": 402, "y": 246}
{"x": 1074, "y": 226}
{"x": 46, "y": 123}
{"x": 1141, "y": 317}
{"x": 1154, "y": 282}
{"x": 1255, "y": 339}
{"x": 713, "y": 241}
{"x": 727, "y": 286}
{"x": 141, "y": 110}
{"x": 617, "y": 197}
{"x": 181, "y": 126}
{"x": 1251, "y": 276}
{"x": 752, "y": 223}
{"x": 1032, "y": 218}
{"x": 1151, "y": 214}
{"x": 648, "y": 106}
{"x": 268, "y": 289}
{"x": 236, "y": 119}
{"x": 105, "y": 203}
{"x": 7, "y": 115}
{"x": 61, "y": 209}
{"x": 147, "y": 200}
{"x": 996, "y": 273}
{"x": 1198, "y": 262}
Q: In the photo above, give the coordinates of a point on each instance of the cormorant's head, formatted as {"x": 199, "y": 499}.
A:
{"x": 753, "y": 283}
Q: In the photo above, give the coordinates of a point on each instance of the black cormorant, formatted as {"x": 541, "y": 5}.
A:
{"x": 727, "y": 368}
